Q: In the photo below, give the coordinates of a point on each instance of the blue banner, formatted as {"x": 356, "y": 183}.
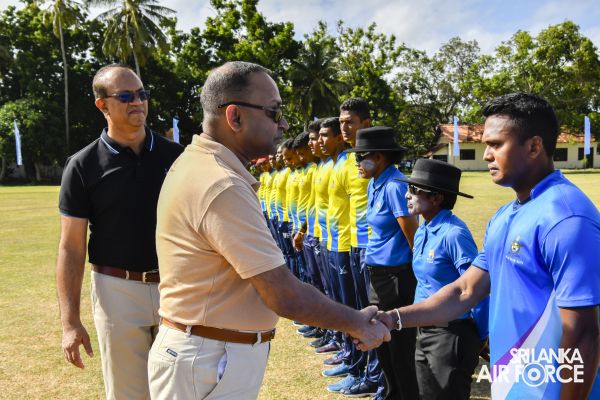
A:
{"x": 587, "y": 135}
{"x": 18, "y": 144}
{"x": 175, "y": 130}
{"x": 456, "y": 149}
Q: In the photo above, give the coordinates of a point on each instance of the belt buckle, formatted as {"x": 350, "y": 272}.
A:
{"x": 144, "y": 275}
{"x": 258, "y": 339}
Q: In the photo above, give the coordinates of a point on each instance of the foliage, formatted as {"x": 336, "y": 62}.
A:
{"x": 407, "y": 89}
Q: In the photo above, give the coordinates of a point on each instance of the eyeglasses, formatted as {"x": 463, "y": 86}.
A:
{"x": 129, "y": 97}
{"x": 276, "y": 114}
{"x": 361, "y": 156}
{"x": 412, "y": 189}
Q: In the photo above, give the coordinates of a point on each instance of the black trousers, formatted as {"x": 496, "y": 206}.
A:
{"x": 393, "y": 287}
{"x": 446, "y": 358}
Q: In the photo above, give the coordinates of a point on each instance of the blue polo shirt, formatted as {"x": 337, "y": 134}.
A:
{"x": 540, "y": 255}
{"x": 443, "y": 250}
{"x": 387, "y": 245}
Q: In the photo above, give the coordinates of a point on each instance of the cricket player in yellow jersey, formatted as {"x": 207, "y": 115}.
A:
{"x": 283, "y": 221}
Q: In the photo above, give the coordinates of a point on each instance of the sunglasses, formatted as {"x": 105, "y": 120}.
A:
{"x": 129, "y": 97}
{"x": 276, "y": 114}
{"x": 361, "y": 156}
{"x": 412, "y": 189}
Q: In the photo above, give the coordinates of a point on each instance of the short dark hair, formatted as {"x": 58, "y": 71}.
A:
{"x": 449, "y": 201}
{"x": 226, "y": 83}
{"x": 332, "y": 123}
{"x": 99, "y": 81}
{"x": 358, "y": 106}
{"x": 287, "y": 144}
{"x": 392, "y": 157}
{"x": 315, "y": 125}
{"x": 531, "y": 115}
{"x": 301, "y": 140}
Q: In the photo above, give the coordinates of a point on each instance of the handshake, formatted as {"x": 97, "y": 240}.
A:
{"x": 372, "y": 329}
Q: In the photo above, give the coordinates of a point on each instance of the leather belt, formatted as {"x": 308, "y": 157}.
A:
{"x": 223, "y": 335}
{"x": 146, "y": 277}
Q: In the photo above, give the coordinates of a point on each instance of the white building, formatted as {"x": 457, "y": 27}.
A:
{"x": 568, "y": 154}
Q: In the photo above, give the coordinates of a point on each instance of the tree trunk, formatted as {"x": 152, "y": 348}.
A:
{"x": 2, "y": 168}
{"x": 137, "y": 65}
{"x": 38, "y": 171}
{"x": 66, "y": 81}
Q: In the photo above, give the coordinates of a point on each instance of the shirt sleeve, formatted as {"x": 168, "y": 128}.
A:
{"x": 73, "y": 199}
{"x": 236, "y": 228}
{"x": 481, "y": 316}
{"x": 481, "y": 261}
{"x": 395, "y": 192}
{"x": 461, "y": 248}
{"x": 570, "y": 250}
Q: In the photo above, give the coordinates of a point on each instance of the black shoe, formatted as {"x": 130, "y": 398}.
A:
{"x": 319, "y": 342}
{"x": 314, "y": 333}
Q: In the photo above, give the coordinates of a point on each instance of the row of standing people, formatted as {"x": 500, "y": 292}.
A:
{"x": 346, "y": 224}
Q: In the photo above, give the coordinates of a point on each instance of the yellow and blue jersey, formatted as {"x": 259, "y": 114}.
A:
{"x": 305, "y": 194}
{"x": 263, "y": 190}
{"x": 270, "y": 198}
{"x": 321, "y": 202}
{"x": 338, "y": 210}
{"x": 279, "y": 185}
{"x": 292, "y": 197}
{"x": 357, "y": 190}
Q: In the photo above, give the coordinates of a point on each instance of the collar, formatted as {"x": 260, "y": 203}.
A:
{"x": 225, "y": 155}
{"x": 436, "y": 223}
{"x": 384, "y": 177}
{"x": 115, "y": 148}
{"x": 310, "y": 164}
{"x": 545, "y": 184}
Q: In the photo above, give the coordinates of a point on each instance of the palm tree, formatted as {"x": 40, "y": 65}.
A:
{"x": 133, "y": 29}
{"x": 314, "y": 77}
{"x": 62, "y": 14}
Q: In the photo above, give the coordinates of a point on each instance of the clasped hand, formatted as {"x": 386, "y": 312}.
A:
{"x": 371, "y": 332}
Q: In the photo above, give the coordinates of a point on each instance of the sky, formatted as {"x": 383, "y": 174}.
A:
{"x": 420, "y": 24}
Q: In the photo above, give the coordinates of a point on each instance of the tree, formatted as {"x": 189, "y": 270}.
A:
{"x": 61, "y": 14}
{"x": 314, "y": 76}
{"x": 133, "y": 29}
{"x": 435, "y": 88}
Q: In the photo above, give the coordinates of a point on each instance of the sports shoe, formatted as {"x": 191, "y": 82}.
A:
{"x": 361, "y": 389}
{"x": 302, "y": 330}
{"x": 322, "y": 341}
{"x": 328, "y": 348}
{"x": 315, "y": 333}
{"x": 334, "y": 360}
{"x": 296, "y": 323}
{"x": 340, "y": 370}
{"x": 345, "y": 383}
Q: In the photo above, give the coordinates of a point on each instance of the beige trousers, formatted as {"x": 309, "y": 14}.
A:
{"x": 126, "y": 319}
{"x": 188, "y": 367}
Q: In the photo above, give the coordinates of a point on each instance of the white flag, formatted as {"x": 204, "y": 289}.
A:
{"x": 175, "y": 130}
{"x": 587, "y": 138}
{"x": 456, "y": 150}
{"x": 18, "y": 144}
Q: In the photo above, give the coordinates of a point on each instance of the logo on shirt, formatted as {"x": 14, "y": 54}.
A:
{"x": 515, "y": 245}
{"x": 431, "y": 256}
{"x": 378, "y": 205}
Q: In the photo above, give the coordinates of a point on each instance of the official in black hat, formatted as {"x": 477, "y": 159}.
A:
{"x": 388, "y": 255}
{"x": 446, "y": 355}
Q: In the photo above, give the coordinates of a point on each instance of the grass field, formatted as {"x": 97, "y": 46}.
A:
{"x": 31, "y": 360}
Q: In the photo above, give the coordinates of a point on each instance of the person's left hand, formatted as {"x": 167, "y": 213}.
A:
{"x": 297, "y": 241}
{"x": 370, "y": 333}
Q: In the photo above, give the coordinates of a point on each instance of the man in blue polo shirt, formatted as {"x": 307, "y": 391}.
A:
{"x": 539, "y": 260}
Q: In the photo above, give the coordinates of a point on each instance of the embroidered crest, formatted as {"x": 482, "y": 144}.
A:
{"x": 515, "y": 245}
{"x": 431, "y": 256}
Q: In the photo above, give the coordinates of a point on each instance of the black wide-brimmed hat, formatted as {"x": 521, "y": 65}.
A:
{"x": 435, "y": 175}
{"x": 376, "y": 138}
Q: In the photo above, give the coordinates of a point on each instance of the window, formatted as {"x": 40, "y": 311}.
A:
{"x": 580, "y": 153}
{"x": 441, "y": 157}
{"x": 468, "y": 154}
{"x": 561, "y": 155}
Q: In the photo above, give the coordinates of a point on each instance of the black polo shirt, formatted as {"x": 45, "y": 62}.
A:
{"x": 117, "y": 191}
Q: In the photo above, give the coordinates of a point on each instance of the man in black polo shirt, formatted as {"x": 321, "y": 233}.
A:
{"x": 113, "y": 184}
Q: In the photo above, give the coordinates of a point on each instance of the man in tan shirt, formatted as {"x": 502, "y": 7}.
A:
{"x": 223, "y": 279}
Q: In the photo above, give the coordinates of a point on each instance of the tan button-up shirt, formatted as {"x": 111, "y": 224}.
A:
{"x": 211, "y": 236}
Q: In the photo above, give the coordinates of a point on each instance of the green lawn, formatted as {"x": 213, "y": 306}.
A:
{"x": 31, "y": 360}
